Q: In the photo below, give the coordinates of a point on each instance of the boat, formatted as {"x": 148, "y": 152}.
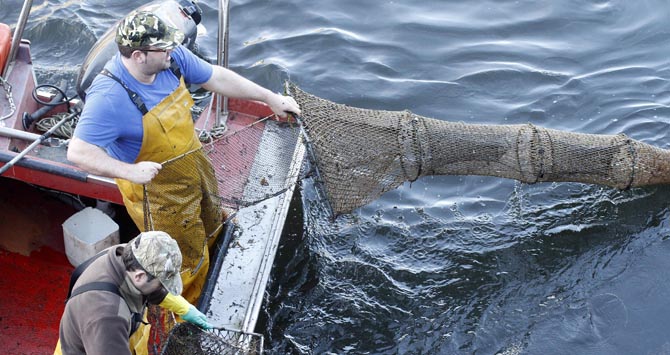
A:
{"x": 36, "y": 177}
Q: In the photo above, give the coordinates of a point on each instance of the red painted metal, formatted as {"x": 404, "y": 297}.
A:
{"x": 5, "y": 44}
{"x": 33, "y": 300}
{"x": 34, "y": 269}
{"x": 252, "y": 108}
{"x": 105, "y": 192}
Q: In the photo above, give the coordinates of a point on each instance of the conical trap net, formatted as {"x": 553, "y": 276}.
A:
{"x": 361, "y": 153}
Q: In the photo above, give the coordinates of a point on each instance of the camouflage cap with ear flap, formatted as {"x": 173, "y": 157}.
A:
{"x": 159, "y": 255}
{"x": 143, "y": 29}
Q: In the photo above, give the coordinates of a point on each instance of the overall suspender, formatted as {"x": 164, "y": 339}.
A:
{"x": 134, "y": 97}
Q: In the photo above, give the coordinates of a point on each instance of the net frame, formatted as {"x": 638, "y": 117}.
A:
{"x": 187, "y": 338}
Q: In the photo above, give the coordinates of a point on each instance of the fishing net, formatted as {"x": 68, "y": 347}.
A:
{"x": 361, "y": 153}
{"x": 182, "y": 201}
{"x": 245, "y": 177}
{"x": 186, "y": 338}
{"x": 162, "y": 322}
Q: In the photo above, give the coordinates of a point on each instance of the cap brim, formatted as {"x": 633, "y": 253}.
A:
{"x": 174, "y": 286}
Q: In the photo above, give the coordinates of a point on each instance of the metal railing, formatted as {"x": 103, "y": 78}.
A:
{"x": 222, "y": 60}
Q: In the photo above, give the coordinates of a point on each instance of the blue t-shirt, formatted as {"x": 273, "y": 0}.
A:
{"x": 111, "y": 121}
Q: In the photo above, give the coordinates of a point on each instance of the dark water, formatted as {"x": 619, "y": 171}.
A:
{"x": 453, "y": 265}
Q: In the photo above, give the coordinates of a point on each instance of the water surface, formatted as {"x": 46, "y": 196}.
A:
{"x": 455, "y": 264}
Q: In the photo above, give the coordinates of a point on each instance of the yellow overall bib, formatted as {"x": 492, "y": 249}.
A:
{"x": 182, "y": 199}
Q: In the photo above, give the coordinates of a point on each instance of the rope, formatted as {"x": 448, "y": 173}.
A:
{"x": 216, "y": 132}
{"x": 64, "y": 131}
{"x": 212, "y": 135}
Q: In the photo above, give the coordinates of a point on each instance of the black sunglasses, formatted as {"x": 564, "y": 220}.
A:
{"x": 154, "y": 50}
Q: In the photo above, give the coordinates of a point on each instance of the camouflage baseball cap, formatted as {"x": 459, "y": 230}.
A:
{"x": 159, "y": 255}
{"x": 145, "y": 29}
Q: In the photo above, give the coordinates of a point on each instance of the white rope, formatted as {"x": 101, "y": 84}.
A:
{"x": 210, "y": 136}
{"x": 64, "y": 131}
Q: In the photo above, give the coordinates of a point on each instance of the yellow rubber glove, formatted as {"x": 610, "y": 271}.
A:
{"x": 180, "y": 306}
{"x": 176, "y": 304}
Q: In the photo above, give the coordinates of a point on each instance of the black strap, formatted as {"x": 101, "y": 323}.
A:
{"x": 79, "y": 270}
{"x": 134, "y": 97}
{"x": 175, "y": 69}
{"x": 97, "y": 286}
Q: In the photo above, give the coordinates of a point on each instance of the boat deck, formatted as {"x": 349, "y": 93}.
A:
{"x": 35, "y": 271}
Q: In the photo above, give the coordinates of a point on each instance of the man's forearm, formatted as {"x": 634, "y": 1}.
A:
{"x": 96, "y": 161}
{"x": 231, "y": 84}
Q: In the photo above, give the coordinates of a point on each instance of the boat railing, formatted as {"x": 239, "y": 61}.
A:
{"x": 222, "y": 60}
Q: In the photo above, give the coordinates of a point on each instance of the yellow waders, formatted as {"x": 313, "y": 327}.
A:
{"x": 182, "y": 200}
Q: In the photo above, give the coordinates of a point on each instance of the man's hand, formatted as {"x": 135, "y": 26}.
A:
{"x": 95, "y": 160}
{"x": 196, "y": 317}
{"x": 283, "y": 105}
{"x": 143, "y": 172}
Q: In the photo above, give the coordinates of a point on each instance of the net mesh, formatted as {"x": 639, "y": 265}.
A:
{"x": 186, "y": 338}
{"x": 182, "y": 200}
{"x": 162, "y": 322}
{"x": 361, "y": 153}
{"x": 245, "y": 177}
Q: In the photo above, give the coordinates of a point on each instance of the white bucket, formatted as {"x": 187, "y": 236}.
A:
{"x": 86, "y": 233}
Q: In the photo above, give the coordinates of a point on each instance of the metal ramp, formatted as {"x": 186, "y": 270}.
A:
{"x": 238, "y": 292}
